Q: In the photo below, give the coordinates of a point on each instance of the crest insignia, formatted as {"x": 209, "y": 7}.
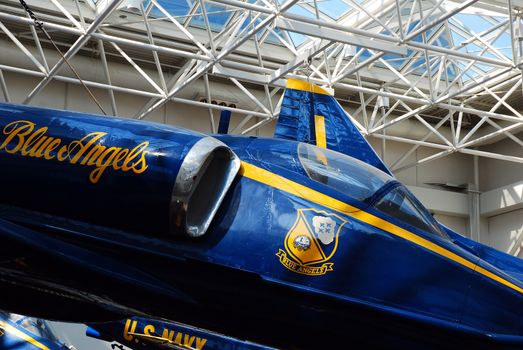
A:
{"x": 311, "y": 242}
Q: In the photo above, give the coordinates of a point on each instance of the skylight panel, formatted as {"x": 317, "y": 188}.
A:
{"x": 217, "y": 15}
{"x": 178, "y": 9}
{"x": 334, "y": 8}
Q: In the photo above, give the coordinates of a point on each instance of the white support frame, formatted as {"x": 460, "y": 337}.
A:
{"x": 372, "y": 50}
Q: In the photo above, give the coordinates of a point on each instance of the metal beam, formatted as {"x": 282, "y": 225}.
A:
{"x": 339, "y": 36}
{"x": 81, "y": 41}
{"x": 222, "y": 55}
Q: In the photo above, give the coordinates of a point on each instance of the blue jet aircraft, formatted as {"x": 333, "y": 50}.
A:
{"x": 27, "y": 333}
{"x": 302, "y": 241}
{"x": 139, "y": 333}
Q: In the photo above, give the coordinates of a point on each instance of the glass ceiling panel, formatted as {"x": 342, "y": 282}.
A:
{"x": 298, "y": 39}
{"x": 178, "y": 9}
{"x": 474, "y": 22}
{"x": 217, "y": 15}
{"x": 299, "y": 10}
{"x": 452, "y": 36}
{"x": 334, "y": 9}
{"x": 418, "y": 66}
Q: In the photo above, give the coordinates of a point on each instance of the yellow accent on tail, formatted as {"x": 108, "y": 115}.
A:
{"x": 319, "y": 126}
{"x": 296, "y": 84}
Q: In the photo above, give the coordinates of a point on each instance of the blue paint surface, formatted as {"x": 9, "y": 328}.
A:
{"x": 225, "y": 120}
{"x": 27, "y": 334}
{"x": 94, "y": 252}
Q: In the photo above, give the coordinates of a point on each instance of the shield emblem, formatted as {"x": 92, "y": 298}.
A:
{"x": 312, "y": 240}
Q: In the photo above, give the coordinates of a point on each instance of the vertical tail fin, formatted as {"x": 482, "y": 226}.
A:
{"x": 312, "y": 115}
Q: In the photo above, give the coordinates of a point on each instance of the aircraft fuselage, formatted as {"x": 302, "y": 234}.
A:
{"x": 287, "y": 261}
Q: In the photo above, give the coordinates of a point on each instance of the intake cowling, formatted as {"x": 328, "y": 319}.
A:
{"x": 137, "y": 176}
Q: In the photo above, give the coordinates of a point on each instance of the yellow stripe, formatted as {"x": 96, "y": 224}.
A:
{"x": 294, "y": 188}
{"x": 319, "y": 126}
{"x": 296, "y": 84}
{"x": 497, "y": 278}
{"x": 281, "y": 183}
{"x": 409, "y": 236}
{"x": 18, "y": 333}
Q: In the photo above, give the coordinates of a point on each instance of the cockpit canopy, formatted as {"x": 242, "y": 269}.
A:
{"x": 345, "y": 174}
{"x": 366, "y": 184}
